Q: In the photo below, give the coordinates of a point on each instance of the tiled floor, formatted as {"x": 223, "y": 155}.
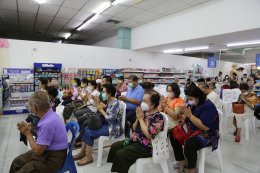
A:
{"x": 238, "y": 158}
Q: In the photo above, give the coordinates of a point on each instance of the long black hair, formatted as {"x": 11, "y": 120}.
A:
{"x": 194, "y": 91}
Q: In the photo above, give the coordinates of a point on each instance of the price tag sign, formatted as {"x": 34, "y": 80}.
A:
{"x": 257, "y": 60}
{"x": 212, "y": 62}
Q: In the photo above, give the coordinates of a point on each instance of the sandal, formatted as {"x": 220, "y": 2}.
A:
{"x": 79, "y": 156}
{"x": 84, "y": 161}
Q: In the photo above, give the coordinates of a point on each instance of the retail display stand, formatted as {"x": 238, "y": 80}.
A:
{"x": 20, "y": 89}
{"x": 49, "y": 70}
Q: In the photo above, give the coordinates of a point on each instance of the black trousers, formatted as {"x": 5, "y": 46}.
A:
{"x": 189, "y": 150}
{"x": 123, "y": 157}
{"x": 129, "y": 121}
{"x": 82, "y": 121}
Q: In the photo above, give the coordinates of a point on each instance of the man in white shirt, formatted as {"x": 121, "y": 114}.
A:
{"x": 211, "y": 95}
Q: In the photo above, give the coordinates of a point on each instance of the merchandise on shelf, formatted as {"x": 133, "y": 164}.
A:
{"x": 1, "y": 96}
{"x": 19, "y": 88}
{"x": 47, "y": 70}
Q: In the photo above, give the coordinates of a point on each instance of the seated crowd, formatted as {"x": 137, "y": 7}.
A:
{"x": 95, "y": 105}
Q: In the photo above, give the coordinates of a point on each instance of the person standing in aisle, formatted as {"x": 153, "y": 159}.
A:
{"x": 49, "y": 150}
{"x": 122, "y": 86}
{"x": 133, "y": 99}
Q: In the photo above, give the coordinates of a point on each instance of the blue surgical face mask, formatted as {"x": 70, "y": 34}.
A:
{"x": 131, "y": 85}
{"x": 104, "y": 96}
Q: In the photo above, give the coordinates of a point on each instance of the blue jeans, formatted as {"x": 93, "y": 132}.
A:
{"x": 90, "y": 135}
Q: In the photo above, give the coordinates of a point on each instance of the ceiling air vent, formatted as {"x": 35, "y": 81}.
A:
{"x": 113, "y": 21}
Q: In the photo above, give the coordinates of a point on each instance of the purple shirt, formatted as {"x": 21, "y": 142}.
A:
{"x": 52, "y": 132}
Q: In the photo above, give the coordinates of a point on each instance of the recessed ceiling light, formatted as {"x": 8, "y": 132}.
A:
{"x": 173, "y": 51}
{"x": 243, "y": 43}
{"x": 196, "y": 48}
{"x": 40, "y": 1}
{"x": 115, "y": 2}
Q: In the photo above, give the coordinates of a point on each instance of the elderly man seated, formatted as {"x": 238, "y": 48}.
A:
{"x": 49, "y": 150}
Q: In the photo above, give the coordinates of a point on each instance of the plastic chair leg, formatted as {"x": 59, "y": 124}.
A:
{"x": 202, "y": 155}
{"x": 246, "y": 124}
{"x": 73, "y": 168}
{"x": 164, "y": 166}
{"x": 220, "y": 161}
{"x": 100, "y": 152}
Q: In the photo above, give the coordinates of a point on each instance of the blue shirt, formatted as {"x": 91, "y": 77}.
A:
{"x": 51, "y": 132}
{"x": 136, "y": 93}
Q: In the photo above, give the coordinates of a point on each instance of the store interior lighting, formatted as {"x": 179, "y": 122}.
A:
{"x": 243, "y": 43}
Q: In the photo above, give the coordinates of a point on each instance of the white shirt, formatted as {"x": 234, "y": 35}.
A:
{"x": 214, "y": 98}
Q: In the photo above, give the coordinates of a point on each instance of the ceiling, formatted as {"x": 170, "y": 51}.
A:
{"x": 239, "y": 54}
{"x": 26, "y": 19}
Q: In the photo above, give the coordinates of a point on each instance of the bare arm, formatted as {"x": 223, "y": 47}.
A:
{"x": 36, "y": 148}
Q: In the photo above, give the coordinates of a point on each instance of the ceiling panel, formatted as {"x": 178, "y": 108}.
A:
{"x": 148, "y": 4}
{"x": 40, "y": 27}
{"x": 75, "y": 4}
{"x": 101, "y": 19}
{"x": 195, "y": 2}
{"x": 129, "y": 23}
{"x": 7, "y": 14}
{"x": 82, "y": 15}
{"x": 30, "y": 17}
{"x": 8, "y": 4}
{"x": 112, "y": 11}
{"x": 27, "y": 6}
{"x": 26, "y": 24}
{"x": 66, "y": 13}
{"x": 44, "y": 19}
{"x": 131, "y": 2}
{"x": 73, "y": 24}
{"x": 60, "y": 21}
{"x": 146, "y": 16}
{"x": 54, "y": 28}
{"x": 48, "y": 10}
{"x": 169, "y": 7}
{"x": 129, "y": 13}
{"x": 92, "y": 5}
{"x": 54, "y": 2}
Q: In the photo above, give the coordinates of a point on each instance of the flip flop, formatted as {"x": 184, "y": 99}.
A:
{"x": 85, "y": 163}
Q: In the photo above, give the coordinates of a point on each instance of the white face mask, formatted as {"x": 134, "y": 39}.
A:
{"x": 170, "y": 95}
{"x": 192, "y": 102}
{"x": 245, "y": 93}
{"x": 75, "y": 85}
{"x": 144, "y": 106}
{"x": 92, "y": 102}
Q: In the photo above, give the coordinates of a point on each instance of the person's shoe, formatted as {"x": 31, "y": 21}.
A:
{"x": 84, "y": 161}
{"x": 79, "y": 156}
{"x": 237, "y": 139}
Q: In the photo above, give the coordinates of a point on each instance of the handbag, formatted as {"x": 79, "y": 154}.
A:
{"x": 182, "y": 132}
{"x": 238, "y": 108}
{"x": 95, "y": 121}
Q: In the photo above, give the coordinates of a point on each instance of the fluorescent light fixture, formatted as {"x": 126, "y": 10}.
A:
{"x": 87, "y": 22}
{"x": 223, "y": 49}
{"x": 115, "y": 2}
{"x": 102, "y": 7}
{"x": 196, "y": 48}
{"x": 173, "y": 51}
{"x": 243, "y": 43}
{"x": 67, "y": 35}
{"x": 40, "y": 1}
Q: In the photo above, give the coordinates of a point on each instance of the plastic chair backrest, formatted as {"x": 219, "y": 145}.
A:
{"x": 69, "y": 164}
{"x": 227, "y": 95}
{"x": 59, "y": 110}
{"x": 122, "y": 107}
{"x": 160, "y": 143}
{"x": 236, "y": 93}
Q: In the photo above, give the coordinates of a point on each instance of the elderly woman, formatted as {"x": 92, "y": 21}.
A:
{"x": 203, "y": 121}
{"x": 149, "y": 122}
{"x": 49, "y": 150}
{"x": 111, "y": 125}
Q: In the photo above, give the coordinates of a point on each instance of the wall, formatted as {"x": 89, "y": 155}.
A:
{"x": 23, "y": 54}
{"x": 212, "y": 18}
{"x": 108, "y": 42}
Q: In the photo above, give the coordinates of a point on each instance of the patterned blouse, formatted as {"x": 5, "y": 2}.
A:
{"x": 155, "y": 124}
{"x": 114, "y": 119}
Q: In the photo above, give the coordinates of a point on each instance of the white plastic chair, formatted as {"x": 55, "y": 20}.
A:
{"x": 236, "y": 93}
{"x": 246, "y": 125}
{"x": 160, "y": 150}
{"x": 59, "y": 111}
{"x": 227, "y": 99}
{"x": 202, "y": 157}
{"x": 220, "y": 114}
{"x": 102, "y": 139}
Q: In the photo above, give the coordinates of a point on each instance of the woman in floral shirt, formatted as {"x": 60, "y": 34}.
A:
{"x": 111, "y": 125}
{"x": 149, "y": 122}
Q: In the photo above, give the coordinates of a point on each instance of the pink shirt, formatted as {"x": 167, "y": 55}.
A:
{"x": 122, "y": 88}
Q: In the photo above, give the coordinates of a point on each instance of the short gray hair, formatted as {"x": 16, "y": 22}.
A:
{"x": 40, "y": 100}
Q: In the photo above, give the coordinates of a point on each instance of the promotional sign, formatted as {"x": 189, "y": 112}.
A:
{"x": 212, "y": 62}
{"x": 257, "y": 60}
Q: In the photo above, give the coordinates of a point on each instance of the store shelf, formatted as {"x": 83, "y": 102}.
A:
{"x": 158, "y": 77}
{"x": 13, "y": 99}
{"x": 13, "y": 83}
{"x": 132, "y": 71}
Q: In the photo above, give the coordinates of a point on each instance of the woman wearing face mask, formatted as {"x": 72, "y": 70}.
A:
{"x": 121, "y": 86}
{"x": 201, "y": 117}
{"x": 111, "y": 126}
{"x": 149, "y": 122}
{"x": 83, "y": 95}
{"x": 75, "y": 93}
{"x": 172, "y": 100}
{"x": 249, "y": 99}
